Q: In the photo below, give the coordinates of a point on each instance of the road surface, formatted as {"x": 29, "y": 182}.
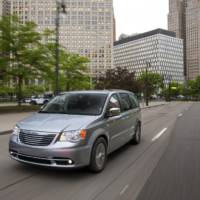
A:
{"x": 151, "y": 171}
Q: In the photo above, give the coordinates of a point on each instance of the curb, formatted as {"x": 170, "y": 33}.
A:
{"x": 154, "y": 106}
{"x": 5, "y": 132}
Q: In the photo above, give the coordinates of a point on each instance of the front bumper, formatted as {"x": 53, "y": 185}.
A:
{"x": 55, "y": 155}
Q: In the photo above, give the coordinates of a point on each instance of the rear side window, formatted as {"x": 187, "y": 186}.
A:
{"x": 125, "y": 102}
{"x": 134, "y": 102}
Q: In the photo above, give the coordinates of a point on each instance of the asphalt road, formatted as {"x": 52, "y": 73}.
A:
{"x": 177, "y": 176}
{"x": 133, "y": 172}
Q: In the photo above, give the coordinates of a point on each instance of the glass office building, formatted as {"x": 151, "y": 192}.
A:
{"x": 159, "y": 49}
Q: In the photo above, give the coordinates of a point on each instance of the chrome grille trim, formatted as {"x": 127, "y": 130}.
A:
{"x": 34, "y": 138}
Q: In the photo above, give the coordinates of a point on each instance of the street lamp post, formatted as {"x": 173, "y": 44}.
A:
{"x": 148, "y": 64}
{"x": 168, "y": 78}
{"x": 169, "y": 87}
{"x": 60, "y": 7}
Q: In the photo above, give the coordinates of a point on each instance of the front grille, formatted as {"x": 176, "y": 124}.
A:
{"x": 35, "y": 139}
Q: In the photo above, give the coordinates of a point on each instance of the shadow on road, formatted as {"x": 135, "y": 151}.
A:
{"x": 78, "y": 173}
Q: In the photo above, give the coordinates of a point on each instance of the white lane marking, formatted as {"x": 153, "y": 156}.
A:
{"x": 159, "y": 135}
{"x": 180, "y": 115}
{"x": 124, "y": 190}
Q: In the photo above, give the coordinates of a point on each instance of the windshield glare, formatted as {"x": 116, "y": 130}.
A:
{"x": 76, "y": 104}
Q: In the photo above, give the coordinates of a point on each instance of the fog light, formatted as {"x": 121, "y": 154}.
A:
{"x": 70, "y": 162}
{"x": 14, "y": 154}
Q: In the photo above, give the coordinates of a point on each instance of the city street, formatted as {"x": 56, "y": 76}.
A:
{"x": 165, "y": 166}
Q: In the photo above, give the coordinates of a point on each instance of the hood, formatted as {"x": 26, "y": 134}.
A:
{"x": 54, "y": 123}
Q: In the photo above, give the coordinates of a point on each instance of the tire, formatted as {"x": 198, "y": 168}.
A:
{"x": 137, "y": 136}
{"x": 98, "y": 156}
{"x": 45, "y": 102}
{"x": 33, "y": 103}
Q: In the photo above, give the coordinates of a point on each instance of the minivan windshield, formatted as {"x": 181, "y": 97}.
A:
{"x": 76, "y": 104}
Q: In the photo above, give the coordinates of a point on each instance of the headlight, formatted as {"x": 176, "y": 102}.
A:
{"x": 16, "y": 130}
{"x": 73, "y": 136}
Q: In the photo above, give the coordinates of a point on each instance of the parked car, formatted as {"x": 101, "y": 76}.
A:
{"x": 27, "y": 100}
{"x": 78, "y": 129}
{"x": 40, "y": 100}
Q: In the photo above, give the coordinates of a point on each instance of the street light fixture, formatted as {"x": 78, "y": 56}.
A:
{"x": 60, "y": 8}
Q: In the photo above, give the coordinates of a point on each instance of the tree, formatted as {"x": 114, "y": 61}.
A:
{"x": 74, "y": 71}
{"x": 118, "y": 78}
{"x": 27, "y": 55}
{"x": 194, "y": 86}
{"x": 151, "y": 82}
{"x": 33, "y": 90}
{"x": 23, "y": 54}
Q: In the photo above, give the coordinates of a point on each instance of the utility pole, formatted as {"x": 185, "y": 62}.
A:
{"x": 60, "y": 7}
{"x": 168, "y": 79}
{"x": 169, "y": 88}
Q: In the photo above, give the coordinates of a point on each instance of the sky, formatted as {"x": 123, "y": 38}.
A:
{"x": 138, "y": 16}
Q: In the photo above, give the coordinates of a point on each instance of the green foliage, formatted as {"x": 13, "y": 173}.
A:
{"x": 153, "y": 81}
{"x": 29, "y": 55}
{"x": 189, "y": 91}
{"x": 6, "y": 91}
{"x": 74, "y": 71}
{"x": 194, "y": 88}
{"x": 23, "y": 54}
{"x": 118, "y": 78}
{"x": 33, "y": 90}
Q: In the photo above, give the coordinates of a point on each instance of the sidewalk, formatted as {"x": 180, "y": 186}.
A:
{"x": 153, "y": 104}
{"x": 176, "y": 176}
{"x": 8, "y": 121}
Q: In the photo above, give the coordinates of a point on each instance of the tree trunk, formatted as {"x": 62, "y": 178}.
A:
{"x": 19, "y": 92}
{"x": 67, "y": 84}
{"x": 67, "y": 87}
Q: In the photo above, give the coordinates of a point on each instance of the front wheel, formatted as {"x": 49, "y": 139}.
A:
{"x": 98, "y": 156}
{"x": 137, "y": 136}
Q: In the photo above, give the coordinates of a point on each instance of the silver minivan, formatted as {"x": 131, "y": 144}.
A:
{"x": 78, "y": 129}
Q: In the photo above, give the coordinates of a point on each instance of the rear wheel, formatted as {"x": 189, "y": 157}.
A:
{"x": 33, "y": 103}
{"x": 137, "y": 136}
{"x": 98, "y": 156}
{"x": 45, "y": 102}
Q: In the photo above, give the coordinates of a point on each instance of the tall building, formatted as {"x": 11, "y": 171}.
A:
{"x": 159, "y": 48}
{"x": 184, "y": 19}
{"x": 114, "y": 28}
{"x": 86, "y": 27}
{"x": 193, "y": 38}
{"x": 175, "y": 17}
{"x": 1, "y": 8}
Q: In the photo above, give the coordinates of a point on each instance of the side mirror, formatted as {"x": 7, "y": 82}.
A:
{"x": 114, "y": 112}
